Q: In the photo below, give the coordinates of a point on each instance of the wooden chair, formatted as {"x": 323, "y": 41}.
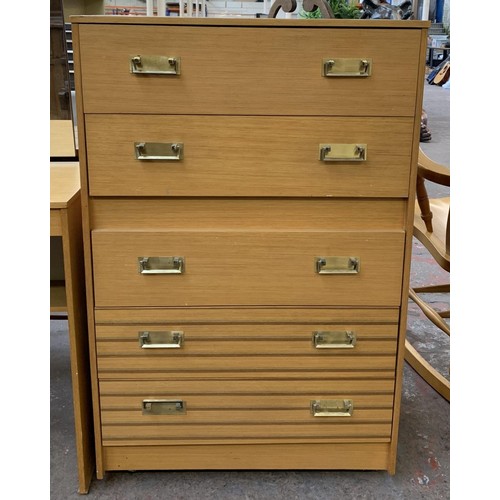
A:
{"x": 431, "y": 227}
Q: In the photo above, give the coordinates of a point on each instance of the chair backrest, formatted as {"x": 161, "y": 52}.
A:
{"x": 429, "y": 170}
{"x": 433, "y": 171}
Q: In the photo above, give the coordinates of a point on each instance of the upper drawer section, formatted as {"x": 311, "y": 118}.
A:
{"x": 249, "y": 70}
{"x": 247, "y": 156}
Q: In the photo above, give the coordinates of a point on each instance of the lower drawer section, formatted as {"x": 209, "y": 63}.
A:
{"x": 251, "y": 351}
{"x": 246, "y": 411}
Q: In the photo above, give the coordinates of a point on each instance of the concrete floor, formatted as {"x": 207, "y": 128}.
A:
{"x": 423, "y": 466}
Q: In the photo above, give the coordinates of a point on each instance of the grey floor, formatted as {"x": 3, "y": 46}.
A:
{"x": 423, "y": 466}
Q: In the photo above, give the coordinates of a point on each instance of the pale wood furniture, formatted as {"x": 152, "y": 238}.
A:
{"x": 69, "y": 297}
{"x": 247, "y": 272}
{"x": 432, "y": 229}
{"x": 62, "y": 140}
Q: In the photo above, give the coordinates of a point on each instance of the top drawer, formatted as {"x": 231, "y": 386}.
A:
{"x": 249, "y": 70}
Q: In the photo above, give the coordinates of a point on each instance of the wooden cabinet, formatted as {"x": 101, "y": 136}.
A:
{"x": 68, "y": 296}
{"x": 247, "y": 236}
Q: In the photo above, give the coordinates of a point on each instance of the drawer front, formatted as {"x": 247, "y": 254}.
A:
{"x": 248, "y": 156}
{"x": 175, "y": 412}
{"x": 246, "y": 268}
{"x": 228, "y": 70}
{"x": 141, "y": 351}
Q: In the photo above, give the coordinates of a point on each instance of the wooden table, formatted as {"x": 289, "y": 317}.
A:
{"x": 62, "y": 140}
{"x": 66, "y": 223}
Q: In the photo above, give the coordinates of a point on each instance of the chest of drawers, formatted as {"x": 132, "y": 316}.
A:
{"x": 247, "y": 187}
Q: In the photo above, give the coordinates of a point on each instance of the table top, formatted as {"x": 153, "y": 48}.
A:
{"x": 62, "y": 139}
{"x": 64, "y": 183}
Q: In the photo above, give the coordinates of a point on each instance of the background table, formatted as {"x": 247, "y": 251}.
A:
{"x": 62, "y": 140}
{"x": 69, "y": 296}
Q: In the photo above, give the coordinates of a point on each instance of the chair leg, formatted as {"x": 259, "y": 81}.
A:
{"x": 426, "y": 371}
{"x": 433, "y": 289}
{"x": 429, "y": 312}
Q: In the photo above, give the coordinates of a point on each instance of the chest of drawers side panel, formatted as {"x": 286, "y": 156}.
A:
{"x": 87, "y": 247}
{"x": 408, "y": 248}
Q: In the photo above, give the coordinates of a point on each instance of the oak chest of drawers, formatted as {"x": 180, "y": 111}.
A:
{"x": 247, "y": 189}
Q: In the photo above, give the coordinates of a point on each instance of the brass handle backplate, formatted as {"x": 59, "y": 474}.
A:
{"x": 155, "y": 65}
{"x": 347, "y": 67}
{"x": 337, "y": 265}
{"x": 334, "y": 339}
{"x": 161, "y": 340}
{"x": 163, "y": 407}
{"x": 332, "y": 408}
{"x": 161, "y": 265}
{"x": 164, "y": 151}
{"x": 342, "y": 152}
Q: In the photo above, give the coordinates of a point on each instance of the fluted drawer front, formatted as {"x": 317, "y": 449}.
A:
{"x": 238, "y": 339}
{"x": 245, "y": 411}
{"x": 140, "y": 351}
{"x": 247, "y": 156}
{"x": 247, "y": 268}
{"x": 228, "y": 70}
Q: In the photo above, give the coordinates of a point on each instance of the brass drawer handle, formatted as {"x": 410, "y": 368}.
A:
{"x": 342, "y": 152}
{"x": 163, "y": 407}
{"x": 337, "y": 265}
{"x": 347, "y": 67}
{"x": 164, "y": 151}
{"x": 161, "y": 265}
{"x": 332, "y": 408}
{"x": 155, "y": 65}
{"x": 334, "y": 339}
{"x": 161, "y": 340}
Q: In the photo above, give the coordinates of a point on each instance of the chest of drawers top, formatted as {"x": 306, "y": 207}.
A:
{"x": 249, "y": 67}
